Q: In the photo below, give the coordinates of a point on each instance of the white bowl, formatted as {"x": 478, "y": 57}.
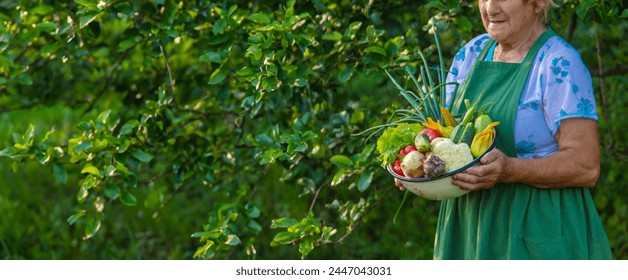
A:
{"x": 438, "y": 188}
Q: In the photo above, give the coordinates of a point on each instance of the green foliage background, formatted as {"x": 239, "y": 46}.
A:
{"x": 223, "y": 130}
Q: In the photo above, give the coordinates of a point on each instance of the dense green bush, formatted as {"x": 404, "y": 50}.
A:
{"x": 223, "y": 130}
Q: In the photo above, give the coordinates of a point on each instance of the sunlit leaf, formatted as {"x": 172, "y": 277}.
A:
{"x": 233, "y": 240}
{"x": 92, "y": 226}
{"x": 283, "y": 223}
{"x": 87, "y": 18}
{"x": 91, "y": 170}
{"x": 341, "y": 160}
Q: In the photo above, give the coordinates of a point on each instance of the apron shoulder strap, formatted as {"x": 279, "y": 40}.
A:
{"x": 485, "y": 50}
{"x": 537, "y": 45}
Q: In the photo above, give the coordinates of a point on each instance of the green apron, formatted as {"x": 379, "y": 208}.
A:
{"x": 515, "y": 221}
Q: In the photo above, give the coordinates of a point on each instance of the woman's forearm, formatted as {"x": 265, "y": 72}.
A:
{"x": 576, "y": 164}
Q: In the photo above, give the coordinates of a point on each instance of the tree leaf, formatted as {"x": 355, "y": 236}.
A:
{"x": 219, "y": 26}
{"x": 29, "y": 135}
{"x": 128, "y": 198}
{"x": 305, "y": 247}
{"x": 91, "y": 227}
{"x": 253, "y": 225}
{"x": 284, "y": 237}
{"x": 112, "y": 191}
{"x": 233, "y": 240}
{"x": 91, "y": 170}
{"x": 48, "y": 27}
{"x": 87, "y": 18}
{"x": 141, "y": 155}
{"x": 283, "y": 223}
{"x": 129, "y": 126}
{"x": 245, "y": 71}
{"x": 211, "y": 57}
{"x": 260, "y": 18}
{"x": 365, "y": 181}
{"x": 339, "y": 177}
{"x": 217, "y": 76}
{"x": 83, "y": 145}
{"x": 269, "y": 156}
{"x": 252, "y": 211}
{"x": 82, "y": 194}
{"x": 264, "y": 139}
{"x": 61, "y": 175}
{"x": 126, "y": 44}
{"x": 345, "y": 74}
{"x": 376, "y": 49}
{"x": 72, "y": 219}
{"x": 334, "y": 36}
{"x": 341, "y": 161}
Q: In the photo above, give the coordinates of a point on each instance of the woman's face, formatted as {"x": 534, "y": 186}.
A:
{"x": 507, "y": 21}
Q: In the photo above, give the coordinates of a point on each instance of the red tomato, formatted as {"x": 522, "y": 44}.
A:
{"x": 431, "y": 133}
{"x": 397, "y": 167}
{"x": 407, "y": 149}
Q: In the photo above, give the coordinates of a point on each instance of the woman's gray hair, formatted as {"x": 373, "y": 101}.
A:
{"x": 544, "y": 8}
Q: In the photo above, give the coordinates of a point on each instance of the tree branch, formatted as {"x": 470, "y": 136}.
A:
{"x": 573, "y": 22}
{"x": 600, "y": 66}
{"x": 318, "y": 190}
{"x": 161, "y": 48}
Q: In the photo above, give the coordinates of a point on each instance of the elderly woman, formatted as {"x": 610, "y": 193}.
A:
{"x": 530, "y": 197}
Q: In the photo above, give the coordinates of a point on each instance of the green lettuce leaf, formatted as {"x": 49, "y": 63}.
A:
{"x": 395, "y": 138}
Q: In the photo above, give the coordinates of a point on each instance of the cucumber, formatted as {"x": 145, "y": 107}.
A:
{"x": 455, "y": 135}
{"x": 467, "y": 134}
{"x": 463, "y": 134}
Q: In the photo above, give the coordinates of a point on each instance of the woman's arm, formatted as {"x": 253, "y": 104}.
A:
{"x": 576, "y": 164}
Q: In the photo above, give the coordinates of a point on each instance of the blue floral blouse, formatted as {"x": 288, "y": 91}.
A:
{"x": 559, "y": 86}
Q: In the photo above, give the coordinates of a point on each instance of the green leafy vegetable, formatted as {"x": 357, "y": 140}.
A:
{"x": 394, "y": 138}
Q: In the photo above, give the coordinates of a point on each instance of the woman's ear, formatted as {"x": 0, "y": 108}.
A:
{"x": 540, "y": 6}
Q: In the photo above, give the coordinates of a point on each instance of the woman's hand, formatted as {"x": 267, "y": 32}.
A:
{"x": 399, "y": 185}
{"x": 484, "y": 175}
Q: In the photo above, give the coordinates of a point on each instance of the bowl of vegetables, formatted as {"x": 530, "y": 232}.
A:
{"x": 428, "y": 174}
{"x": 425, "y": 156}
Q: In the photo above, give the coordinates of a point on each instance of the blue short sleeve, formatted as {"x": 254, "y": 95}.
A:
{"x": 568, "y": 88}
